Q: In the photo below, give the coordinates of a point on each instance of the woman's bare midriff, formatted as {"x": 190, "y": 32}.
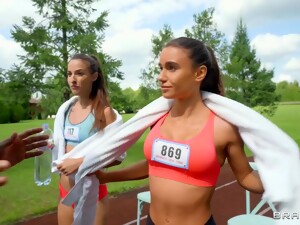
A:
{"x": 66, "y": 182}
{"x": 176, "y": 203}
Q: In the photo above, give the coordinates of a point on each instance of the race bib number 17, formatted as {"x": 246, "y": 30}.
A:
{"x": 171, "y": 153}
{"x": 71, "y": 133}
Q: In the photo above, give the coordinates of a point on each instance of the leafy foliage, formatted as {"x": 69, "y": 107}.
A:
{"x": 149, "y": 75}
{"x": 66, "y": 29}
{"x": 246, "y": 81}
{"x": 206, "y": 31}
{"x": 288, "y": 91}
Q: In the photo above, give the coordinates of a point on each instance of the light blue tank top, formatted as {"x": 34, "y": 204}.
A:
{"x": 76, "y": 133}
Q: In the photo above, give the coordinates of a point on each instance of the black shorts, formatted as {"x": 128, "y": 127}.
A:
{"x": 209, "y": 222}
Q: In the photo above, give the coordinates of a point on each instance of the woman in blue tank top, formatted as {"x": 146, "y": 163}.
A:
{"x": 89, "y": 114}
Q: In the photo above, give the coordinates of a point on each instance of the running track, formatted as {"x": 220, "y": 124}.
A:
{"x": 228, "y": 201}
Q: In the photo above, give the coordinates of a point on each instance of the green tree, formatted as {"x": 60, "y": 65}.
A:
{"x": 246, "y": 81}
{"x": 66, "y": 29}
{"x": 146, "y": 95}
{"x": 206, "y": 31}
{"x": 4, "y": 112}
{"x": 131, "y": 98}
{"x": 149, "y": 75}
{"x": 149, "y": 89}
{"x": 51, "y": 99}
{"x": 288, "y": 91}
{"x": 18, "y": 86}
{"x": 15, "y": 93}
{"x": 117, "y": 99}
{"x": 2, "y": 76}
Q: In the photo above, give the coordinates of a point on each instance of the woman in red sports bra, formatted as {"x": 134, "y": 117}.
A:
{"x": 186, "y": 148}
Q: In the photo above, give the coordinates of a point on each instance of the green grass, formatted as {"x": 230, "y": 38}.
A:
{"x": 21, "y": 198}
{"x": 7, "y": 129}
{"x": 287, "y": 118}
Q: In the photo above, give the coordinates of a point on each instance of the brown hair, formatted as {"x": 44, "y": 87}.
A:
{"x": 202, "y": 55}
{"x": 99, "y": 93}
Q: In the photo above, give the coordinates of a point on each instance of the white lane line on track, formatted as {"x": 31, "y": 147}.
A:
{"x": 134, "y": 221}
{"x": 264, "y": 211}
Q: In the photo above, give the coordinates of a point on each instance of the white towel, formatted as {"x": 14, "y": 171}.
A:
{"x": 58, "y": 152}
{"x": 275, "y": 153}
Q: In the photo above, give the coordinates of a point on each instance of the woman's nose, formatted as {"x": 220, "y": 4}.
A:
{"x": 161, "y": 76}
{"x": 73, "y": 77}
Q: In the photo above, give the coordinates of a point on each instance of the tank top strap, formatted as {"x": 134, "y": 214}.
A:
{"x": 211, "y": 116}
{"x": 67, "y": 113}
{"x": 159, "y": 122}
{"x": 209, "y": 127}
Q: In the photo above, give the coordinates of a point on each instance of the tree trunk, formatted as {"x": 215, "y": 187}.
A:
{"x": 65, "y": 49}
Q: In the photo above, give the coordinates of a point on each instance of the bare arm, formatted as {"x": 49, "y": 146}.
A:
{"x": 136, "y": 171}
{"x": 109, "y": 116}
{"x": 238, "y": 161}
{"x": 114, "y": 163}
{"x": 69, "y": 166}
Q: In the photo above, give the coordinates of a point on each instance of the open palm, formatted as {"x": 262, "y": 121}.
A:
{"x": 18, "y": 146}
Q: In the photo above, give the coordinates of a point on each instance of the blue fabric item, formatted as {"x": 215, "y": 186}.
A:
{"x": 80, "y": 131}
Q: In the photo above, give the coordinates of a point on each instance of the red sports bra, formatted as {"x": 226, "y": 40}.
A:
{"x": 192, "y": 161}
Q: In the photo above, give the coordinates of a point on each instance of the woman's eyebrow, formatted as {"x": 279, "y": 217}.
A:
{"x": 76, "y": 70}
{"x": 79, "y": 70}
{"x": 169, "y": 63}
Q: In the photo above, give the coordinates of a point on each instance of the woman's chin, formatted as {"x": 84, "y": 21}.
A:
{"x": 75, "y": 92}
{"x": 167, "y": 96}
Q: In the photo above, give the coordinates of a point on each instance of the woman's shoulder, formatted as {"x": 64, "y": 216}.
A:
{"x": 223, "y": 127}
{"x": 109, "y": 115}
{"x": 66, "y": 105}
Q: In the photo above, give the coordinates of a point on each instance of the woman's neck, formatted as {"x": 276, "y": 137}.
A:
{"x": 186, "y": 107}
{"x": 84, "y": 102}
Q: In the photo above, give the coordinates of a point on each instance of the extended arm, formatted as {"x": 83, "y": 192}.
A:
{"x": 238, "y": 161}
{"x": 136, "y": 171}
{"x": 71, "y": 165}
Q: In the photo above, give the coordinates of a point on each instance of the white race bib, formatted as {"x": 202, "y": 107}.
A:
{"x": 71, "y": 133}
{"x": 171, "y": 153}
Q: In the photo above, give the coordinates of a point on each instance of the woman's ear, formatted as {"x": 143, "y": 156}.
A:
{"x": 200, "y": 73}
{"x": 94, "y": 76}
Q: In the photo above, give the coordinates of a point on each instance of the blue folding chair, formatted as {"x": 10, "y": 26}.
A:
{"x": 142, "y": 197}
{"x": 251, "y": 217}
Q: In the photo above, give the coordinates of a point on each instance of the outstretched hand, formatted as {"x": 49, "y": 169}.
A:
{"x": 17, "y": 148}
